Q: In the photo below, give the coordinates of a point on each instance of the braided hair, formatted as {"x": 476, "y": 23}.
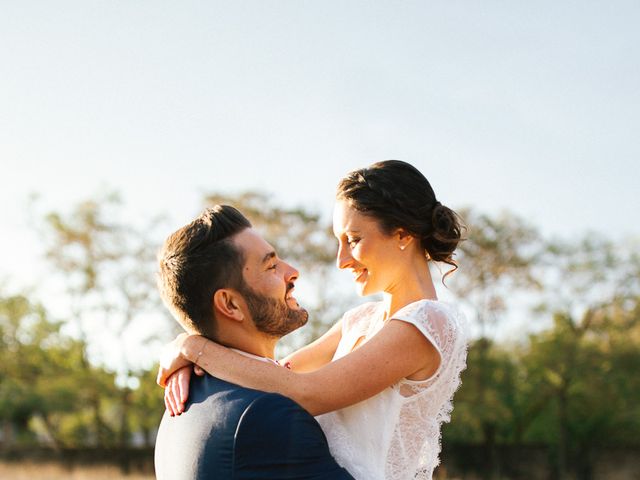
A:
{"x": 398, "y": 196}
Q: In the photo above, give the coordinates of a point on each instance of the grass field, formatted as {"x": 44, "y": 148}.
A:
{"x": 52, "y": 471}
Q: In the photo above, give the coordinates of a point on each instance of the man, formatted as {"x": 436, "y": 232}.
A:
{"x": 222, "y": 280}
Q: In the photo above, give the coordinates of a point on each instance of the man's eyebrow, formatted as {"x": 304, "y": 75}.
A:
{"x": 268, "y": 256}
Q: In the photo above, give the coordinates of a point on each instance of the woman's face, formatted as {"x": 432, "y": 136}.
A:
{"x": 363, "y": 248}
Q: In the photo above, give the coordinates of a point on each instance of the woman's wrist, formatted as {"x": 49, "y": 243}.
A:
{"x": 200, "y": 351}
{"x": 193, "y": 347}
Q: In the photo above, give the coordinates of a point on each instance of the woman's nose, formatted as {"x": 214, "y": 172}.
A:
{"x": 343, "y": 257}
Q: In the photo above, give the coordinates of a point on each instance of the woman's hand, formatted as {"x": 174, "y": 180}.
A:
{"x": 176, "y": 392}
{"x": 172, "y": 359}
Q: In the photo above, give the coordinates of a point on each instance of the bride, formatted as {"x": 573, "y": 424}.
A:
{"x": 381, "y": 380}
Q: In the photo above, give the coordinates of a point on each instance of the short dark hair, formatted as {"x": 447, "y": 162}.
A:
{"x": 196, "y": 261}
{"x": 397, "y": 195}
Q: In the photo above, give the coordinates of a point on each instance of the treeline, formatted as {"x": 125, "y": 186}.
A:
{"x": 567, "y": 382}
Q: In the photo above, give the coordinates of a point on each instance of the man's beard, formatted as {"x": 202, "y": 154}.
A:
{"x": 273, "y": 317}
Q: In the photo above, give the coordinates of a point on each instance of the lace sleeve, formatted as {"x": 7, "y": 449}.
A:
{"x": 443, "y": 327}
{"x": 428, "y": 403}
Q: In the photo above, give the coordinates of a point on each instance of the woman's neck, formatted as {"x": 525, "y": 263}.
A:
{"x": 415, "y": 284}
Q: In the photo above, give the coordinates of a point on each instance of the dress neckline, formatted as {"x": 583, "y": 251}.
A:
{"x": 409, "y": 305}
{"x": 380, "y": 320}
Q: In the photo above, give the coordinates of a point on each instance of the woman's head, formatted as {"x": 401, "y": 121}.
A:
{"x": 399, "y": 197}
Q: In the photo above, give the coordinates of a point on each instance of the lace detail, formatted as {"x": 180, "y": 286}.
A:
{"x": 395, "y": 435}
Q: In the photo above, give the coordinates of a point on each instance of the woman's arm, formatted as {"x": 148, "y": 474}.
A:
{"x": 317, "y": 353}
{"x": 308, "y": 358}
{"x": 397, "y": 351}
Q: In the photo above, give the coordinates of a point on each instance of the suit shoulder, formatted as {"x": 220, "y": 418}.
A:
{"x": 268, "y": 409}
{"x": 280, "y": 439}
{"x": 212, "y": 389}
{"x": 199, "y": 443}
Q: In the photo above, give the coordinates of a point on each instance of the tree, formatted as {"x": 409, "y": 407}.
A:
{"x": 41, "y": 383}
{"x": 107, "y": 268}
{"x": 584, "y": 365}
{"x": 496, "y": 261}
{"x": 147, "y": 406}
{"x": 582, "y": 375}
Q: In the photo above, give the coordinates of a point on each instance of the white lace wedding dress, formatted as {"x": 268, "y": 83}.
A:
{"x": 395, "y": 435}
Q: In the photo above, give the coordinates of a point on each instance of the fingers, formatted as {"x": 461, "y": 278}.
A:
{"x": 169, "y": 364}
{"x": 183, "y": 376}
{"x": 169, "y": 399}
{"x": 174, "y": 389}
{"x": 167, "y": 404}
{"x": 174, "y": 374}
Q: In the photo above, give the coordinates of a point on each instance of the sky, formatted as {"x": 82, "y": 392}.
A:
{"x": 527, "y": 106}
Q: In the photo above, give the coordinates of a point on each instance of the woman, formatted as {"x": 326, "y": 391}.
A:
{"x": 382, "y": 379}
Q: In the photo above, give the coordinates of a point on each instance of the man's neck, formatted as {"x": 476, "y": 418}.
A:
{"x": 262, "y": 347}
{"x": 257, "y": 357}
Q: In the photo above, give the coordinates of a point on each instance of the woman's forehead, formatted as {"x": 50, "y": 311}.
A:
{"x": 347, "y": 218}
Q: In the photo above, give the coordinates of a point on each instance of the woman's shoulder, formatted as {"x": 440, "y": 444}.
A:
{"x": 434, "y": 318}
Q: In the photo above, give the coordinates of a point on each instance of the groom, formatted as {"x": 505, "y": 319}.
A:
{"x": 222, "y": 280}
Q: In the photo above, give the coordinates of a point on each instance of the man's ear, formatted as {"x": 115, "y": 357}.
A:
{"x": 227, "y": 302}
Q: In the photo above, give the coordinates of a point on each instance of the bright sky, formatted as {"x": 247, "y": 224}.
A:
{"x": 527, "y": 106}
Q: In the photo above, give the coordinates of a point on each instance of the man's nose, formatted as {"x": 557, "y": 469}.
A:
{"x": 291, "y": 273}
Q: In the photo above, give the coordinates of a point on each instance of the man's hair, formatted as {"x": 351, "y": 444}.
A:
{"x": 196, "y": 261}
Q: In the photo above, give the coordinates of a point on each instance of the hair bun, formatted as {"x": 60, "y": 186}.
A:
{"x": 441, "y": 219}
{"x": 445, "y": 234}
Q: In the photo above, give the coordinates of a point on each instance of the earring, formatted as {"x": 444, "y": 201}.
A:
{"x": 402, "y": 247}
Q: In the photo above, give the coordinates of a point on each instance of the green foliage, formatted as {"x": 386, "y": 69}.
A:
{"x": 572, "y": 386}
{"x": 106, "y": 268}
{"x": 147, "y": 406}
{"x": 496, "y": 260}
{"x": 40, "y": 375}
{"x": 492, "y": 371}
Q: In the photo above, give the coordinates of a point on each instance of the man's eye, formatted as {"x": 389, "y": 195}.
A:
{"x": 353, "y": 242}
{"x": 273, "y": 267}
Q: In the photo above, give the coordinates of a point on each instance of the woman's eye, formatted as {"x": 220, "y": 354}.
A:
{"x": 353, "y": 242}
{"x": 273, "y": 267}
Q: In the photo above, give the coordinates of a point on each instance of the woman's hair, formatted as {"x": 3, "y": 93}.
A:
{"x": 398, "y": 196}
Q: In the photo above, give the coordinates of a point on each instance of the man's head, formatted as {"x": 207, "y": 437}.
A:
{"x": 217, "y": 267}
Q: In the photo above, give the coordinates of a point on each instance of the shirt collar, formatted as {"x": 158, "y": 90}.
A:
{"x": 256, "y": 357}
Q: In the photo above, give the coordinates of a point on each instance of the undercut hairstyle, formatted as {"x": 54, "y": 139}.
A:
{"x": 196, "y": 261}
{"x": 398, "y": 196}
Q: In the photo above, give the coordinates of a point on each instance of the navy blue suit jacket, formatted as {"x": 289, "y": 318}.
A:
{"x": 231, "y": 432}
